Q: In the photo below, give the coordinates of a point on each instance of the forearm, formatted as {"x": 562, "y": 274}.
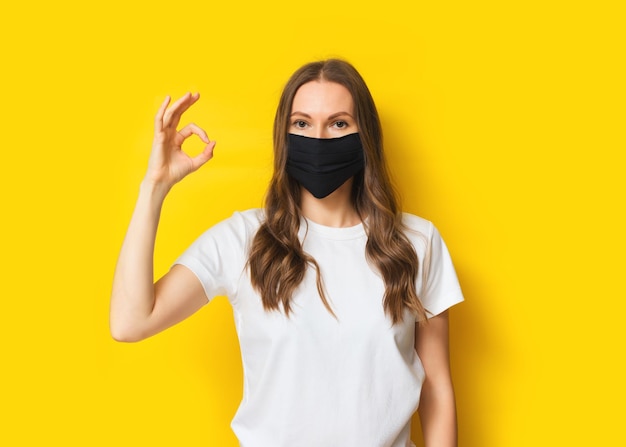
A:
{"x": 437, "y": 413}
{"x": 132, "y": 297}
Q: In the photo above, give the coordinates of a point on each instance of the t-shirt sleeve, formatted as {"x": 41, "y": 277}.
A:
{"x": 441, "y": 288}
{"x": 218, "y": 257}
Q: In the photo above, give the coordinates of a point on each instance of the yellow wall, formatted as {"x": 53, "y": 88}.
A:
{"x": 504, "y": 125}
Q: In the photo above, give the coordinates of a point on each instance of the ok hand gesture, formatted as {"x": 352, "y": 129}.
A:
{"x": 168, "y": 163}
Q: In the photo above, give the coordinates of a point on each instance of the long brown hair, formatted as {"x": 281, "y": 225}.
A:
{"x": 277, "y": 260}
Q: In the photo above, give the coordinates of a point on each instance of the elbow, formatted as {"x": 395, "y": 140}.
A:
{"x": 125, "y": 325}
{"x": 123, "y": 336}
{"x": 125, "y": 333}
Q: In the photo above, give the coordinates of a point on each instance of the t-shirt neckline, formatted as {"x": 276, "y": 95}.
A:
{"x": 337, "y": 233}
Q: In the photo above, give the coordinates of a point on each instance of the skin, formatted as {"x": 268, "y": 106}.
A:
{"x": 437, "y": 409}
{"x": 141, "y": 308}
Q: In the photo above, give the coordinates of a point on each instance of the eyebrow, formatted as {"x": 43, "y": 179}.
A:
{"x": 333, "y": 116}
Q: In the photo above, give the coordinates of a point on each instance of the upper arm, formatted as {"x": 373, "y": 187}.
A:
{"x": 177, "y": 295}
{"x": 432, "y": 347}
{"x": 437, "y": 408}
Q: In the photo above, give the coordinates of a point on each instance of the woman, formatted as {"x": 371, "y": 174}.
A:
{"x": 340, "y": 300}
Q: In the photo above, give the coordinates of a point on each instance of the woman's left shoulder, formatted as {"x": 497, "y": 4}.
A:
{"x": 417, "y": 224}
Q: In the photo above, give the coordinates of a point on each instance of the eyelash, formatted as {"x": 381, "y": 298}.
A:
{"x": 301, "y": 124}
{"x": 297, "y": 123}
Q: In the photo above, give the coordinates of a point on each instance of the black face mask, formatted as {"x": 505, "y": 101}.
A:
{"x": 322, "y": 165}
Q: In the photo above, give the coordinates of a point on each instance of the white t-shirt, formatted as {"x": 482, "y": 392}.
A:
{"x": 311, "y": 379}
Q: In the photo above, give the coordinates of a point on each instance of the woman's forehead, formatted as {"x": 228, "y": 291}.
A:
{"x": 322, "y": 97}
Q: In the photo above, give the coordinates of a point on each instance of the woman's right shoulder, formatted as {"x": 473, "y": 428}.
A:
{"x": 250, "y": 219}
{"x": 231, "y": 235}
{"x": 243, "y": 223}
{"x": 253, "y": 215}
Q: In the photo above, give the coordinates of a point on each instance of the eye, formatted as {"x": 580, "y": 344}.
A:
{"x": 340, "y": 124}
{"x": 300, "y": 124}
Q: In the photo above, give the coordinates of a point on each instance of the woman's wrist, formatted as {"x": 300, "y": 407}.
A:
{"x": 155, "y": 191}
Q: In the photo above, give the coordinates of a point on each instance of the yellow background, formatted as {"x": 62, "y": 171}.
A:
{"x": 504, "y": 124}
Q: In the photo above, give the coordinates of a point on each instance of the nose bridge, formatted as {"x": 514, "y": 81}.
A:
{"x": 321, "y": 131}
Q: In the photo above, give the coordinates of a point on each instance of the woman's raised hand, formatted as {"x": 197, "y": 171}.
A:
{"x": 138, "y": 308}
{"x": 168, "y": 163}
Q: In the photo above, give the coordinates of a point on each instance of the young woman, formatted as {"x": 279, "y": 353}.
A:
{"x": 340, "y": 300}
